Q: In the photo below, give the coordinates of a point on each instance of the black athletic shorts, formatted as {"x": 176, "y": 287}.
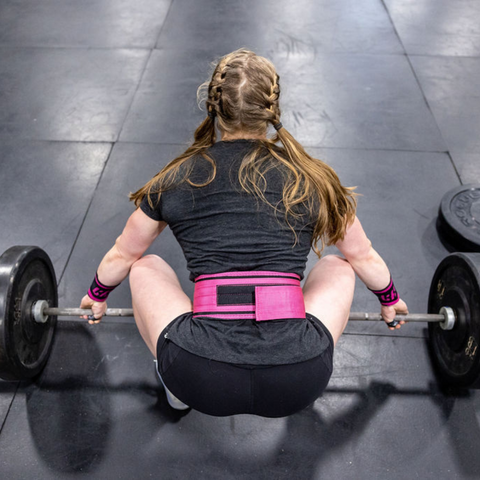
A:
{"x": 221, "y": 389}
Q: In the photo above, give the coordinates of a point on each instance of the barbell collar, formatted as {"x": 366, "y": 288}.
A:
{"x": 450, "y": 318}
{"x": 38, "y": 310}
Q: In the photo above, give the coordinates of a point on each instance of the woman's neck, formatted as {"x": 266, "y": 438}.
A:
{"x": 226, "y": 137}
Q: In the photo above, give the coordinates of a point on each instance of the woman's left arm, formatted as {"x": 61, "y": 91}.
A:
{"x": 138, "y": 234}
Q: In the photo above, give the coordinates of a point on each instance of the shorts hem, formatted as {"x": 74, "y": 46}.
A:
{"x": 164, "y": 333}
{"x": 323, "y": 327}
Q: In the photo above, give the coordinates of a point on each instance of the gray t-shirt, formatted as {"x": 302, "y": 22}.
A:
{"x": 222, "y": 229}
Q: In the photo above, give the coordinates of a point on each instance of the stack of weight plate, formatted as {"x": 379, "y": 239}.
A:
{"x": 458, "y": 221}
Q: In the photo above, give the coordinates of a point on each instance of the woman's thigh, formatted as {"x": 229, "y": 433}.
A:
{"x": 157, "y": 297}
{"x": 328, "y": 293}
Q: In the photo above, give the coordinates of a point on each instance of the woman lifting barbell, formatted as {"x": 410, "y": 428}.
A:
{"x": 246, "y": 212}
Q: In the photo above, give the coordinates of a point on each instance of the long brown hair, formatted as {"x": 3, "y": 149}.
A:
{"x": 243, "y": 95}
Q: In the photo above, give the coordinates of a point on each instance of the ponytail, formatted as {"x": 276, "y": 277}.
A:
{"x": 335, "y": 205}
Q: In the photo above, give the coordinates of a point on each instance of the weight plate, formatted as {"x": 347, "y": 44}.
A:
{"x": 458, "y": 221}
{"x": 26, "y": 275}
{"x": 456, "y": 352}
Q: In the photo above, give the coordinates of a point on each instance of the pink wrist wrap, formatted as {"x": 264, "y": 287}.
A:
{"x": 99, "y": 292}
{"x": 388, "y": 296}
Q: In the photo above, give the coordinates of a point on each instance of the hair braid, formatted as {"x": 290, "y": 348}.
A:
{"x": 273, "y": 101}
{"x": 214, "y": 100}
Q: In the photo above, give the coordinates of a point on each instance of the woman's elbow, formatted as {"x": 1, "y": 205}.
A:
{"x": 125, "y": 255}
{"x": 355, "y": 246}
{"x": 359, "y": 253}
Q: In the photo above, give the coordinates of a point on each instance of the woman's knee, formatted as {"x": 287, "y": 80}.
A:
{"x": 343, "y": 265}
{"x": 146, "y": 262}
{"x": 338, "y": 264}
{"x": 331, "y": 273}
{"x": 151, "y": 265}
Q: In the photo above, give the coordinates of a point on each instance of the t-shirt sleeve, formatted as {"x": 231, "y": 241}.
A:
{"x": 154, "y": 213}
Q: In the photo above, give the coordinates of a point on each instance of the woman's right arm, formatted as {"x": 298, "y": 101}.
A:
{"x": 368, "y": 265}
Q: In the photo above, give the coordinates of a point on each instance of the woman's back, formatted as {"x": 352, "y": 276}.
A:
{"x": 222, "y": 228}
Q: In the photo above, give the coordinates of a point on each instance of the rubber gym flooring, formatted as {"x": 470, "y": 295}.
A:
{"x": 96, "y": 96}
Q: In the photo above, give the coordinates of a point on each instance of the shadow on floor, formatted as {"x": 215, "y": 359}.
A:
{"x": 75, "y": 407}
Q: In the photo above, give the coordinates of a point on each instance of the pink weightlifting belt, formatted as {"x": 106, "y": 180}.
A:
{"x": 249, "y": 295}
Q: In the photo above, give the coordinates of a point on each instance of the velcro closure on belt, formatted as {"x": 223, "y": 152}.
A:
{"x": 279, "y": 302}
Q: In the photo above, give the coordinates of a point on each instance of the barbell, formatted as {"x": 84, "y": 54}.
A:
{"x": 41, "y": 311}
{"x": 29, "y": 311}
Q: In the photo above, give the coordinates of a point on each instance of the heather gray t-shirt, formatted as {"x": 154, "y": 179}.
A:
{"x": 222, "y": 229}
